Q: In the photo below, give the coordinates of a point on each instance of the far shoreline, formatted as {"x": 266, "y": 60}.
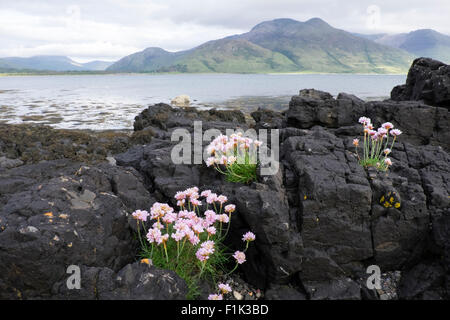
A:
{"x": 200, "y": 73}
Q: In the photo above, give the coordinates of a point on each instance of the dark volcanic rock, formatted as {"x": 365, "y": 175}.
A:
{"x": 55, "y": 214}
{"x": 336, "y": 289}
{"x": 333, "y": 198}
{"x": 422, "y": 124}
{"x": 34, "y": 143}
{"x": 164, "y": 117}
{"x": 137, "y": 281}
{"x": 425, "y": 281}
{"x": 428, "y": 81}
{"x": 268, "y": 119}
{"x": 284, "y": 292}
{"x": 319, "y": 221}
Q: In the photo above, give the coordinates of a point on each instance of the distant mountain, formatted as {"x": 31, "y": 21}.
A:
{"x": 281, "y": 45}
{"x": 150, "y": 59}
{"x": 420, "y": 43}
{"x": 51, "y": 63}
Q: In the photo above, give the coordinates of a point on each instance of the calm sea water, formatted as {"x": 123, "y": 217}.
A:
{"x": 112, "y": 101}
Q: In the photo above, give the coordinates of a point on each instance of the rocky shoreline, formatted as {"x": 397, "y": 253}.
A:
{"x": 66, "y": 197}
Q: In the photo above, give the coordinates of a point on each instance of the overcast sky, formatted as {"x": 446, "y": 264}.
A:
{"x": 110, "y": 29}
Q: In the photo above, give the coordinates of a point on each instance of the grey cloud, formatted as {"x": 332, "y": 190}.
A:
{"x": 115, "y": 27}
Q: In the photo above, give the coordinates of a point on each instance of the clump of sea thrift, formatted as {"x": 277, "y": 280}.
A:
{"x": 223, "y": 289}
{"x": 376, "y": 146}
{"x": 189, "y": 239}
{"x": 234, "y": 156}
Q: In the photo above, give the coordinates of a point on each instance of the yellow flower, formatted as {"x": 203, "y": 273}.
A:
{"x": 397, "y": 205}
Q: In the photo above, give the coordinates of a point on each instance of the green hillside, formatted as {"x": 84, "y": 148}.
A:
{"x": 281, "y": 45}
{"x": 236, "y": 56}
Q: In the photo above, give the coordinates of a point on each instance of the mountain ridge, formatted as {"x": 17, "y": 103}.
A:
{"x": 279, "y": 45}
{"x": 420, "y": 43}
{"x": 51, "y": 63}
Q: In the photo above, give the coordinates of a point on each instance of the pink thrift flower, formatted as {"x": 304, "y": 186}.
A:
{"x": 210, "y": 161}
{"x": 140, "y": 215}
{"x": 215, "y": 297}
{"x": 156, "y": 211}
{"x": 396, "y": 132}
{"x": 355, "y": 142}
{"x": 222, "y": 199}
{"x": 182, "y": 214}
{"x": 211, "y": 230}
{"x": 169, "y": 217}
{"x": 223, "y": 218}
{"x": 211, "y": 198}
{"x": 202, "y": 254}
{"x": 193, "y": 239}
{"x": 224, "y": 288}
{"x": 387, "y": 125}
{"x": 211, "y": 149}
{"x": 181, "y": 226}
{"x": 180, "y": 195}
{"x": 257, "y": 143}
{"x": 210, "y": 217}
{"x": 158, "y": 225}
{"x": 191, "y": 191}
{"x": 249, "y": 236}
{"x": 239, "y": 256}
{"x": 231, "y": 160}
{"x": 163, "y": 239}
{"x": 154, "y": 235}
{"x": 208, "y": 246}
{"x": 205, "y": 193}
{"x": 364, "y": 121}
{"x": 387, "y": 151}
{"x": 223, "y": 160}
{"x": 191, "y": 215}
{"x": 388, "y": 161}
{"x": 230, "y": 208}
{"x": 382, "y": 132}
{"x": 195, "y": 202}
{"x": 178, "y": 236}
{"x": 198, "y": 228}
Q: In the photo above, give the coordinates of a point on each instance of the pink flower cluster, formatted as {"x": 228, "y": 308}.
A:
{"x": 188, "y": 224}
{"x": 225, "y": 150}
{"x": 223, "y": 289}
{"x": 382, "y": 132}
{"x": 206, "y": 249}
{"x": 376, "y": 143}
